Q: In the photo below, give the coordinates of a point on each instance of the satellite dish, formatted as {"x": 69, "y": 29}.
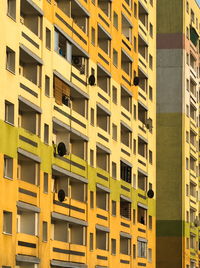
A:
{"x": 136, "y": 81}
{"x": 92, "y": 80}
{"x": 76, "y": 60}
{"x": 61, "y": 195}
{"x": 61, "y": 149}
{"x": 150, "y": 193}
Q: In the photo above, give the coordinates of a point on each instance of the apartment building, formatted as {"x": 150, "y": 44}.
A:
{"x": 77, "y": 132}
{"x": 178, "y": 72}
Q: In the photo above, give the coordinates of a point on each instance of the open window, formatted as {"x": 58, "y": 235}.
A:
{"x": 102, "y": 239}
{"x": 102, "y": 197}
{"x": 28, "y": 170}
{"x": 126, "y": 99}
{"x": 142, "y": 180}
{"x": 71, "y": 52}
{"x": 30, "y": 66}
{"x": 125, "y": 243}
{"x": 193, "y": 87}
{"x": 104, "y": 39}
{"x": 142, "y": 214}
{"x": 31, "y": 17}
{"x": 143, "y": 14}
{"x": 142, "y": 113}
{"x": 126, "y": 63}
{"x": 125, "y": 208}
{"x": 142, "y": 47}
{"x": 103, "y": 79}
{"x": 102, "y": 158}
{"x": 76, "y": 11}
{"x": 142, "y": 147}
{"x": 29, "y": 116}
{"x": 126, "y": 134}
{"x": 143, "y": 80}
{"x": 127, "y": 28}
{"x": 27, "y": 221}
{"x": 69, "y": 232}
{"x": 105, "y": 6}
{"x": 103, "y": 118}
{"x": 125, "y": 172}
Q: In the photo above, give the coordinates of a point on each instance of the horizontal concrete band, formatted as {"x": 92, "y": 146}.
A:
{"x": 70, "y": 174}
{"x": 30, "y": 259}
{"x": 26, "y": 206}
{"x": 29, "y": 155}
{"x": 68, "y": 264}
{"x": 63, "y": 217}
{"x": 68, "y": 128}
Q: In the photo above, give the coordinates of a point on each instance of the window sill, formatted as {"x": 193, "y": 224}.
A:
{"x": 11, "y": 17}
{"x": 8, "y": 178}
{"x": 9, "y": 123}
{"x": 7, "y": 233}
{"x": 11, "y": 71}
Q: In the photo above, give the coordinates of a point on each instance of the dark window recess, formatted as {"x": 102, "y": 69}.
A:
{"x": 125, "y": 172}
{"x": 125, "y": 209}
{"x": 61, "y": 92}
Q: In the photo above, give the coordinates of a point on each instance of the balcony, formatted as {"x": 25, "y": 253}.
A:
{"x": 103, "y": 79}
{"x": 27, "y": 244}
{"x": 28, "y": 193}
{"x": 31, "y": 17}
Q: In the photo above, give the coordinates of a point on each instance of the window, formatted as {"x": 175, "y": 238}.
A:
{"x": 11, "y": 8}
{"x": 92, "y": 116}
{"x": 150, "y": 157}
{"x": 8, "y": 167}
{"x": 134, "y": 146}
{"x": 142, "y": 248}
{"x": 91, "y": 199}
{"x": 113, "y": 246}
{"x": 187, "y": 32}
{"x": 91, "y": 157}
{"x": 10, "y": 60}
{"x": 9, "y": 112}
{"x": 187, "y": 110}
{"x": 151, "y": 2}
{"x": 151, "y": 30}
{"x": 187, "y": 59}
{"x": 102, "y": 199}
{"x": 125, "y": 172}
{"x": 187, "y": 163}
{"x": 115, "y": 20}
{"x": 7, "y": 222}
{"x": 135, "y": 44}
{"x": 150, "y": 93}
{"x": 45, "y": 188}
{"x": 149, "y": 255}
{"x": 44, "y": 233}
{"x": 46, "y": 134}
{"x": 47, "y": 86}
{"x": 93, "y": 36}
{"x": 91, "y": 241}
{"x": 48, "y": 39}
{"x": 134, "y": 216}
{"x": 114, "y": 170}
{"x": 102, "y": 239}
{"x": 114, "y": 208}
{"x": 134, "y": 251}
{"x": 125, "y": 208}
{"x": 115, "y": 57}
{"x": 187, "y": 190}
{"x": 150, "y": 62}
{"x": 135, "y": 10}
{"x": 114, "y": 94}
{"x": 135, "y": 112}
{"x": 187, "y": 7}
{"x": 114, "y": 132}
{"x": 187, "y": 136}
{"x": 125, "y": 245}
{"x": 187, "y": 85}
{"x": 134, "y": 181}
{"x": 150, "y": 222}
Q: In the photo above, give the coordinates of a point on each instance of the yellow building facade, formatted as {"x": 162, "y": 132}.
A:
{"x": 77, "y": 150}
